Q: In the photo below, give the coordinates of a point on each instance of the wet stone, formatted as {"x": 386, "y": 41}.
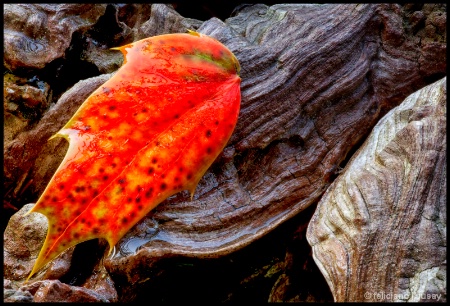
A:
{"x": 23, "y": 238}
{"x": 55, "y": 291}
{"x": 17, "y": 296}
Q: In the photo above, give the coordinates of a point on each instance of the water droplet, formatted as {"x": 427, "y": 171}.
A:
{"x": 34, "y": 46}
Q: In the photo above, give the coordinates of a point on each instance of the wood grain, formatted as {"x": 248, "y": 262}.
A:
{"x": 379, "y": 232}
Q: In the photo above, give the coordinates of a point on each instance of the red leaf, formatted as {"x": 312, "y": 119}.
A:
{"x": 150, "y": 131}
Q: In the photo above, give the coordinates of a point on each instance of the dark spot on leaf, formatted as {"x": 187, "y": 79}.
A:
{"x": 89, "y": 223}
{"x": 84, "y": 201}
{"x": 112, "y": 107}
{"x": 163, "y": 175}
{"x": 216, "y": 123}
{"x": 176, "y": 116}
{"x": 154, "y": 160}
{"x": 181, "y": 169}
{"x": 122, "y": 181}
{"x": 101, "y": 170}
{"x": 135, "y": 114}
{"x": 208, "y": 150}
{"x": 172, "y": 49}
{"x": 78, "y": 189}
{"x": 157, "y": 143}
{"x": 54, "y": 199}
{"x": 144, "y": 110}
{"x": 101, "y": 221}
{"x": 105, "y": 177}
{"x": 139, "y": 207}
{"x": 95, "y": 193}
{"x": 109, "y": 137}
{"x": 83, "y": 220}
{"x": 176, "y": 179}
{"x": 82, "y": 189}
{"x": 132, "y": 214}
{"x": 129, "y": 200}
{"x": 76, "y": 235}
{"x": 87, "y": 127}
{"x": 124, "y": 220}
{"x": 163, "y": 186}
{"x": 138, "y": 199}
{"x": 113, "y": 165}
{"x": 189, "y": 176}
{"x": 47, "y": 197}
{"x": 96, "y": 230}
{"x": 61, "y": 187}
{"x": 208, "y": 133}
{"x": 150, "y": 170}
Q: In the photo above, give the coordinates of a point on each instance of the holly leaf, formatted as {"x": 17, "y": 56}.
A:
{"x": 150, "y": 131}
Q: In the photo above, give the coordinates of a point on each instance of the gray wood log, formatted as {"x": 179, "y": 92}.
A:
{"x": 379, "y": 232}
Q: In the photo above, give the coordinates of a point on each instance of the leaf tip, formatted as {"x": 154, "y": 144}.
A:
{"x": 192, "y": 191}
{"x": 59, "y": 134}
{"x": 52, "y": 137}
{"x": 28, "y": 278}
{"x": 192, "y": 32}
{"x": 111, "y": 244}
{"x": 33, "y": 271}
{"x": 121, "y": 49}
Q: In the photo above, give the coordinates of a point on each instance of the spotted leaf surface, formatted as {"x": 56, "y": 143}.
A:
{"x": 149, "y": 132}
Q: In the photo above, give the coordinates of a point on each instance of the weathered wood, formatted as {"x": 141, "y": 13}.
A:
{"x": 37, "y": 34}
{"x": 379, "y": 232}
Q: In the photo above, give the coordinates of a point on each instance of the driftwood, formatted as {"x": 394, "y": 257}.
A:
{"x": 315, "y": 80}
{"x": 379, "y": 231}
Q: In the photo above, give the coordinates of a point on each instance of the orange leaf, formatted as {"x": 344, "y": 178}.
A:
{"x": 149, "y": 132}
